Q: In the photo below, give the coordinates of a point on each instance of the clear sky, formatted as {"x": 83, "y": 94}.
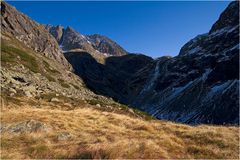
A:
{"x": 153, "y": 28}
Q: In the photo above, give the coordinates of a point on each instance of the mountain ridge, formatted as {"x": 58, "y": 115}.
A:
{"x": 70, "y": 39}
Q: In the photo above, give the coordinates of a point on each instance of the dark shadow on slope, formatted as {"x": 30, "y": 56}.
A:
{"x": 109, "y": 79}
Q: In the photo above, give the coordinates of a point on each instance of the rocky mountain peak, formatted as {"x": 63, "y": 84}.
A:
{"x": 106, "y": 45}
{"x": 56, "y": 31}
{"x": 228, "y": 18}
{"x": 70, "y": 39}
{"x": 70, "y": 29}
{"x": 222, "y": 36}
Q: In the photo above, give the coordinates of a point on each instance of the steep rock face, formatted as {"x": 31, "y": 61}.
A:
{"x": 70, "y": 39}
{"x": 32, "y": 34}
{"x": 200, "y": 85}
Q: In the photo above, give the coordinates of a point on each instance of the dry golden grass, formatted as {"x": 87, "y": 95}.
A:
{"x": 99, "y": 134}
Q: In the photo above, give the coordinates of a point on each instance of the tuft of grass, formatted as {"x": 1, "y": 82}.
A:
{"x": 50, "y": 78}
{"x": 75, "y": 86}
{"x": 49, "y": 69}
{"x": 63, "y": 84}
{"x": 95, "y": 102}
{"x": 8, "y": 99}
{"x": 39, "y": 151}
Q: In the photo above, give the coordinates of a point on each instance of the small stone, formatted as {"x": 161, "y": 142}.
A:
{"x": 98, "y": 105}
{"x": 131, "y": 110}
{"x": 54, "y": 100}
{"x": 28, "y": 94}
{"x": 12, "y": 90}
{"x": 64, "y": 136}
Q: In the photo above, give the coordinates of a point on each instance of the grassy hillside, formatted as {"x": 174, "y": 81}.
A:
{"x": 95, "y": 133}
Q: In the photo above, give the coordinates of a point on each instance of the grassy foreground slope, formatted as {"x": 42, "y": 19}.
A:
{"x": 94, "y": 133}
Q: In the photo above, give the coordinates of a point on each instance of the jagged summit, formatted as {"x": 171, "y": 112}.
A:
{"x": 70, "y": 39}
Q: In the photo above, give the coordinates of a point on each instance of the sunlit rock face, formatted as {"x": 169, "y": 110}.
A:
{"x": 32, "y": 34}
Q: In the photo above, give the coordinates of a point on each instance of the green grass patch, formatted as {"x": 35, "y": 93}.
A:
{"x": 10, "y": 55}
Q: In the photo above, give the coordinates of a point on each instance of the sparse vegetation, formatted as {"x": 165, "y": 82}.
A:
{"x": 63, "y": 84}
{"x": 75, "y": 86}
{"x": 49, "y": 69}
{"x": 50, "y": 78}
{"x": 11, "y": 54}
{"x": 99, "y": 134}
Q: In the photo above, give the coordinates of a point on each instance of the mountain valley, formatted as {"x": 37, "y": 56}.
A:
{"x": 65, "y": 95}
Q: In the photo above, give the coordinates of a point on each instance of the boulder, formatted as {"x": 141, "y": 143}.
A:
{"x": 25, "y": 127}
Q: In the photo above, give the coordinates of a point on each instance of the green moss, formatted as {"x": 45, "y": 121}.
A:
{"x": 6, "y": 57}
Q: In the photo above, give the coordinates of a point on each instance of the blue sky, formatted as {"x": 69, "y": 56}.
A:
{"x": 152, "y": 28}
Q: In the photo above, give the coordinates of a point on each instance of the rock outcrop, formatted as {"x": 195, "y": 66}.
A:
{"x": 25, "y": 127}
